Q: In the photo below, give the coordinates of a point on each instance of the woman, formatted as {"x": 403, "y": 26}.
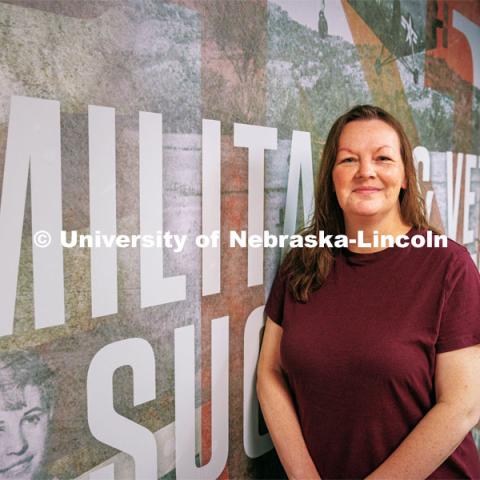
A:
{"x": 26, "y": 406}
{"x": 370, "y": 360}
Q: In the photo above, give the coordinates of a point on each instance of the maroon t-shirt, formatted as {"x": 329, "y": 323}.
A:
{"x": 359, "y": 356}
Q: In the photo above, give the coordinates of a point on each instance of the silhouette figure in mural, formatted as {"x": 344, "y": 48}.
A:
{"x": 26, "y": 405}
{"x": 322, "y": 21}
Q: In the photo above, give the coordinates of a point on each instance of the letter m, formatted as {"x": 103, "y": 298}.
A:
{"x": 33, "y": 145}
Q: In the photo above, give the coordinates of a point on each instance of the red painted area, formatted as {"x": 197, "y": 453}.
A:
{"x": 452, "y": 46}
{"x": 449, "y": 67}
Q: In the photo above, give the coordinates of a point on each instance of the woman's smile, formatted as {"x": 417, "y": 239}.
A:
{"x": 364, "y": 190}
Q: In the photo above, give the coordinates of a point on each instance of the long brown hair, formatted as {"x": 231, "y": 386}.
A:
{"x": 307, "y": 268}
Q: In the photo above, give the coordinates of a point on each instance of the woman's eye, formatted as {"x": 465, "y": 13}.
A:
{"x": 347, "y": 160}
{"x": 383, "y": 158}
{"x": 32, "y": 419}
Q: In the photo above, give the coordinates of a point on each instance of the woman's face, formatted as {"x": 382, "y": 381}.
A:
{"x": 368, "y": 171}
{"x": 23, "y": 434}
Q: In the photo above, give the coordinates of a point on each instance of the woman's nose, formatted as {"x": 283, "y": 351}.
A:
{"x": 16, "y": 442}
{"x": 366, "y": 168}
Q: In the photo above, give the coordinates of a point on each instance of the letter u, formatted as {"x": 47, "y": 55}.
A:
{"x": 64, "y": 239}
{"x": 185, "y": 402}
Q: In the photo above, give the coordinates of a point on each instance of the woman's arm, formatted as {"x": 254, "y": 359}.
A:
{"x": 445, "y": 426}
{"x": 278, "y": 409}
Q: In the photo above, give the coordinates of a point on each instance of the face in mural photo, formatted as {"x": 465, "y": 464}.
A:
{"x": 25, "y": 415}
{"x": 369, "y": 173}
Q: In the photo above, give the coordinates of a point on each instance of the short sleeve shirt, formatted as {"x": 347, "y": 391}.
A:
{"x": 360, "y": 355}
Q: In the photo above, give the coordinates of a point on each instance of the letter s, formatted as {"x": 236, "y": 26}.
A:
{"x": 107, "y": 425}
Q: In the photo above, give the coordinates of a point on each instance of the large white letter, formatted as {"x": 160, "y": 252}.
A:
{"x": 211, "y": 204}
{"x": 422, "y": 155}
{"x": 472, "y": 34}
{"x": 185, "y": 402}
{"x": 103, "y": 473}
{"x": 33, "y": 142}
{"x": 469, "y": 198}
{"x": 154, "y": 289}
{"x": 453, "y": 195}
{"x": 253, "y": 443}
{"x": 103, "y": 210}
{"x": 104, "y": 422}
{"x": 257, "y": 139}
{"x": 300, "y": 166}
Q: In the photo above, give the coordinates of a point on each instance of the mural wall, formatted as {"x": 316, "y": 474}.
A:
{"x": 183, "y": 118}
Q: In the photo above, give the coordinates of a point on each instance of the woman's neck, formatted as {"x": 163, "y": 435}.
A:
{"x": 369, "y": 229}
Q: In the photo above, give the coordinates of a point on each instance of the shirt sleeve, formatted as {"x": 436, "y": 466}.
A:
{"x": 460, "y": 318}
{"x": 276, "y": 299}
